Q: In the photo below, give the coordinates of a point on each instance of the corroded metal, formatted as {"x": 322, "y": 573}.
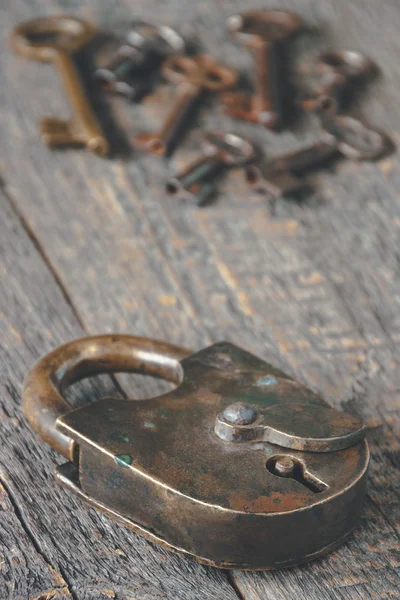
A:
{"x": 43, "y": 398}
{"x": 263, "y": 31}
{"x": 239, "y": 414}
{"x": 285, "y": 174}
{"x": 57, "y": 39}
{"x": 162, "y": 467}
{"x": 337, "y": 72}
{"x": 222, "y": 150}
{"x": 193, "y": 75}
{"x": 355, "y": 139}
{"x": 342, "y": 136}
{"x": 144, "y": 47}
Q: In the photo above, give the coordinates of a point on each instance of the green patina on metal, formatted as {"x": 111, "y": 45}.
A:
{"x": 268, "y": 380}
{"x": 123, "y": 460}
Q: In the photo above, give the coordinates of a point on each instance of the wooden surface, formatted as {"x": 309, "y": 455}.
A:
{"x": 90, "y": 245}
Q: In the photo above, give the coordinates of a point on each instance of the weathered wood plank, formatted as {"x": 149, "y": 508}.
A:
{"x": 314, "y": 290}
{"x": 50, "y": 542}
{"x": 24, "y": 570}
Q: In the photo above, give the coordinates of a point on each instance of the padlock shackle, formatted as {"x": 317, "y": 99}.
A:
{"x": 45, "y": 383}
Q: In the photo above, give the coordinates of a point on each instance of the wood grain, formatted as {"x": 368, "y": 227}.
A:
{"x": 90, "y": 246}
{"x": 62, "y": 544}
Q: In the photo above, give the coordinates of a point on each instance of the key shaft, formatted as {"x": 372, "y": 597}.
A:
{"x": 204, "y": 167}
{"x": 165, "y": 139}
{"x": 83, "y": 126}
{"x": 285, "y": 174}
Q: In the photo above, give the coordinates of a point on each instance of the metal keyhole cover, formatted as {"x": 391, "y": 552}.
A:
{"x": 191, "y": 469}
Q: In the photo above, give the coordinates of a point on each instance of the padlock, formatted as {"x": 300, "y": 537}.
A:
{"x": 238, "y": 467}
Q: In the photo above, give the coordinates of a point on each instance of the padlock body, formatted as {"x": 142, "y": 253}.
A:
{"x": 159, "y": 467}
{"x": 224, "y": 539}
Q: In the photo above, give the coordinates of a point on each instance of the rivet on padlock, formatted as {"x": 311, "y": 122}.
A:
{"x": 238, "y": 467}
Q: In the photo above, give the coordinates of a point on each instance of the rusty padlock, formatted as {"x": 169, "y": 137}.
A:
{"x": 239, "y": 467}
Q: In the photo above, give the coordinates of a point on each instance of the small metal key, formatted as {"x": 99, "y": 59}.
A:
{"x": 145, "y": 46}
{"x": 56, "y": 39}
{"x": 284, "y": 174}
{"x": 343, "y": 136}
{"x": 263, "y": 31}
{"x": 221, "y": 151}
{"x": 337, "y": 72}
{"x": 193, "y": 75}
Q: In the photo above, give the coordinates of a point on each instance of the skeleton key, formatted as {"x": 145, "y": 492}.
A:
{"x": 263, "y": 31}
{"x": 56, "y": 39}
{"x": 284, "y": 174}
{"x": 193, "y": 75}
{"x": 221, "y": 151}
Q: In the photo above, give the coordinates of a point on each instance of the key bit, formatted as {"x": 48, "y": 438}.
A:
{"x": 55, "y": 132}
{"x": 264, "y": 32}
{"x": 56, "y": 39}
{"x": 337, "y": 74}
{"x": 193, "y": 75}
{"x": 130, "y": 70}
{"x": 221, "y": 151}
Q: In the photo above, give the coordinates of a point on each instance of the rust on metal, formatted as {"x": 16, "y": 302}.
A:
{"x": 221, "y": 151}
{"x": 181, "y": 470}
{"x": 284, "y": 174}
{"x": 263, "y": 31}
{"x": 337, "y": 73}
{"x": 129, "y": 71}
{"x": 193, "y": 76}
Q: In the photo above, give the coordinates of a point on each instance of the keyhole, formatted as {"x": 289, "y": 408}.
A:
{"x": 284, "y": 465}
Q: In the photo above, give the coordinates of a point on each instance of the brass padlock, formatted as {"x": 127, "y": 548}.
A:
{"x": 238, "y": 467}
